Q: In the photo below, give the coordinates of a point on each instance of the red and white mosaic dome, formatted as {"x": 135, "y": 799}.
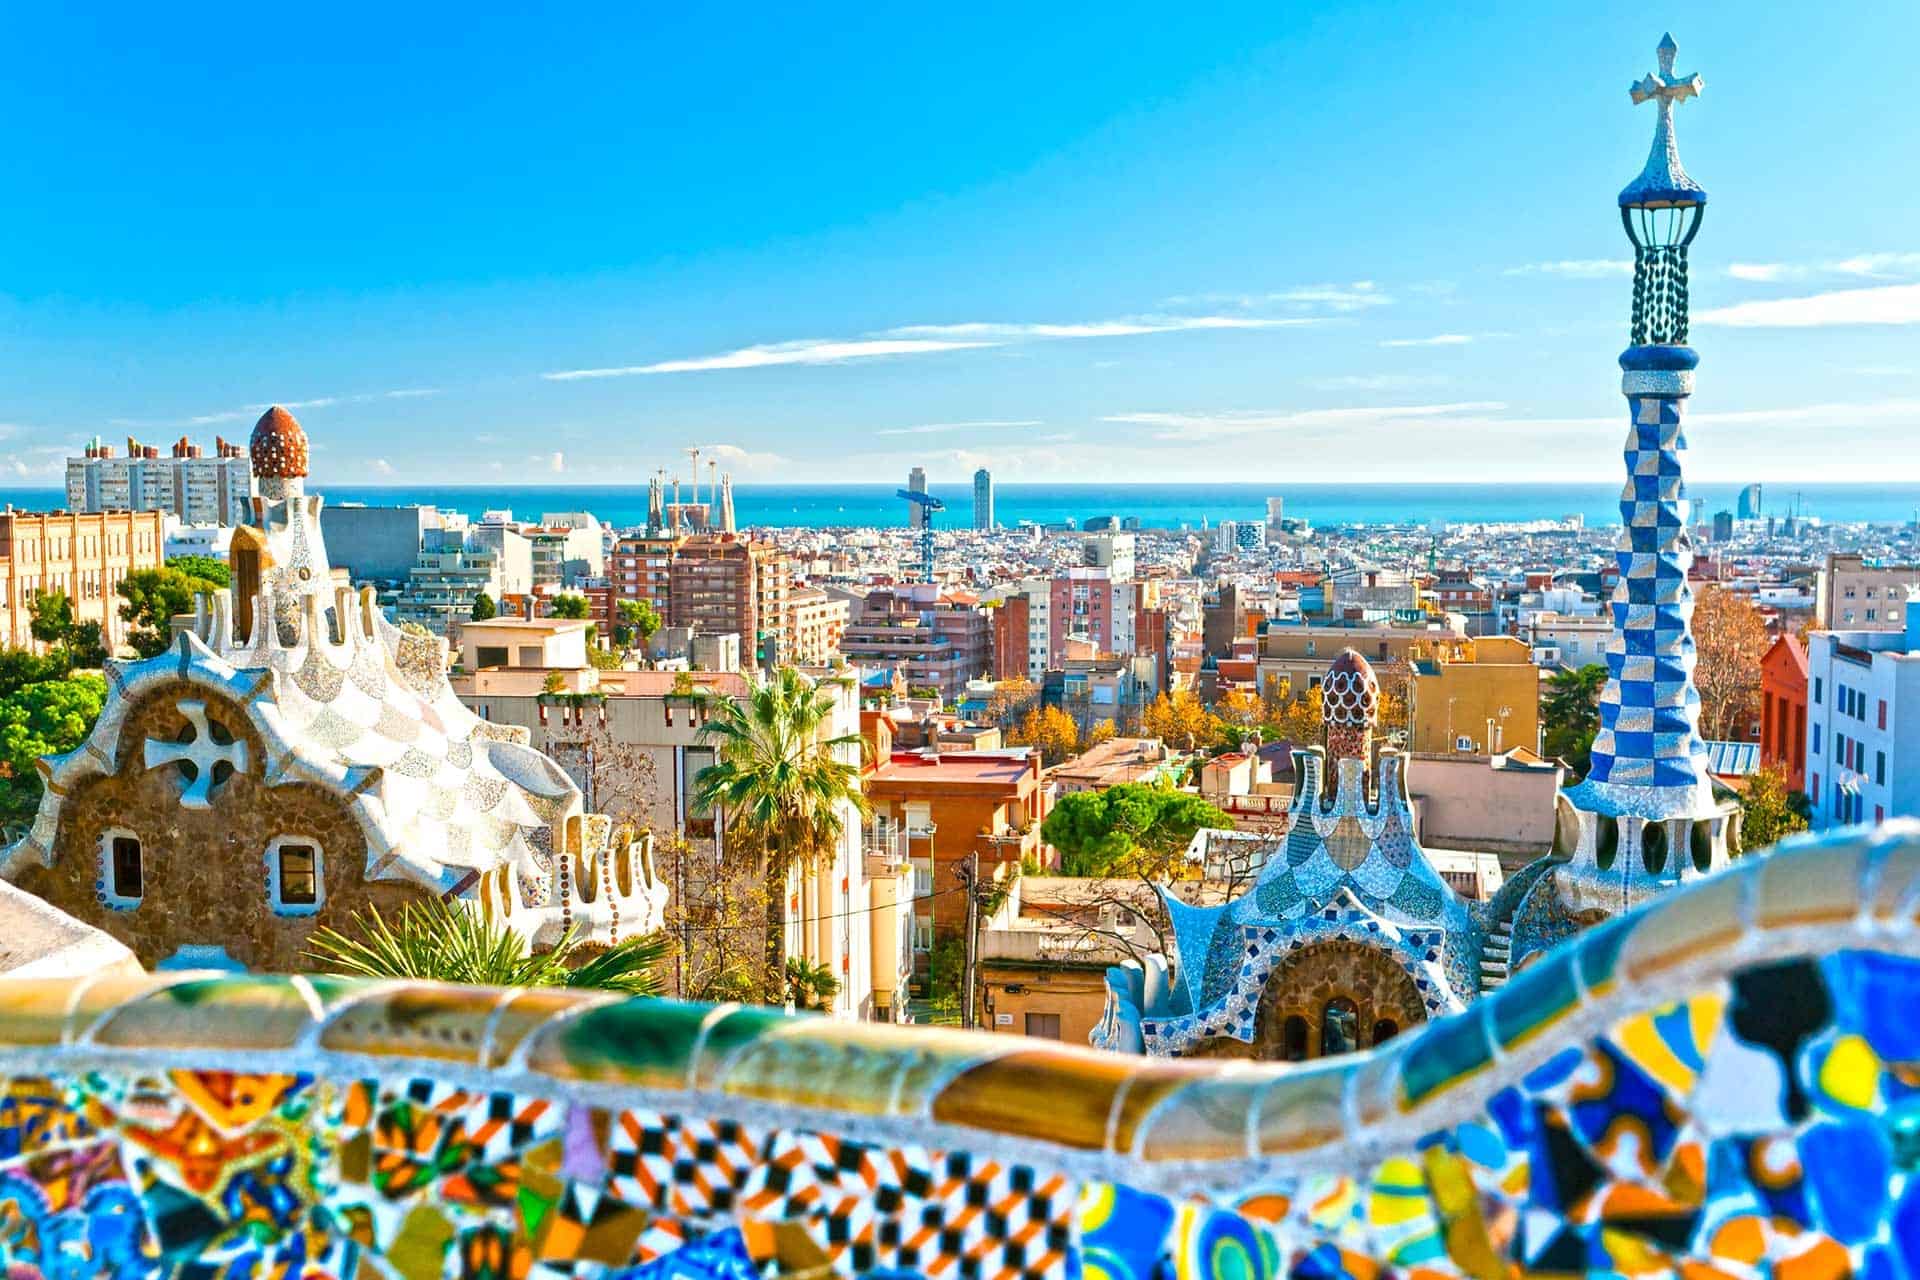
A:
{"x": 278, "y": 447}
{"x": 1350, "y": 694}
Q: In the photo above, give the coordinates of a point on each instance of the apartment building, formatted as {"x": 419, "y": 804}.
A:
{"x": 1479, "y": 696}
{"x": 185, "y": 482}
{"x": 1863, "y": 701}
{"x": 1852, "y": 594}
{"x": 83, "y": 556}
{"x": 816, "y": 624}
{"x": 721, "y": 582}
{"x": 931, "y": 641}
{"x": 1783, "y": 710}
{"x": 640, "y": 567}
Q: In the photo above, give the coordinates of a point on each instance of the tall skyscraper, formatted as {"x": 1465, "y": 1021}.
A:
{"x": 1749, "y": 507}
{"x": 917, "y": 512}
{"x": 982, "y": 499}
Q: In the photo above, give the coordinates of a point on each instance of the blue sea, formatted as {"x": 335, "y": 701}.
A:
{"x": 1164, "y": 506}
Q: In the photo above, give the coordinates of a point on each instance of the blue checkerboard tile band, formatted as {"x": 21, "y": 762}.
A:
{"x": 1650, "y": 712}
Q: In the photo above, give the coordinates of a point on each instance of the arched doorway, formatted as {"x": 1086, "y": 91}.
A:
{"x": 1333, "y": 997}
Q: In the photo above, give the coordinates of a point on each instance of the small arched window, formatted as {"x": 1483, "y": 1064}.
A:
{"x": 1295, "y": 1047}
{"x": 1385, "y": 1030}
{"x": 295, "y": 883}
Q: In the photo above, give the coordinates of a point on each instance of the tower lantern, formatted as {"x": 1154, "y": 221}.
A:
{"x": 1661, "y": 210}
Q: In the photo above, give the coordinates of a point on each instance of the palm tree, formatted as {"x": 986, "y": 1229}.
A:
{"x": 810, "y": 985}
{"x": 444, "y": 941}
{"x": 779, "y": 782}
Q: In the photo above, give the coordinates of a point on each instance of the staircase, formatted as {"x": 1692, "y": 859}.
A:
{"x": 1496, "y": 957}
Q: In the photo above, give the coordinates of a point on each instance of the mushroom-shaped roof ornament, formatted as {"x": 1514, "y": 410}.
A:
{"x": 1350, "y": 694}
{"x": 278, "y": 447}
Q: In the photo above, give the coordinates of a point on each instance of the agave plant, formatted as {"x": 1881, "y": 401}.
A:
{"x": 442, "y": 941}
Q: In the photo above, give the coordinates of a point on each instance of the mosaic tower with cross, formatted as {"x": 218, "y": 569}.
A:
{"x": 1648, "y": 759}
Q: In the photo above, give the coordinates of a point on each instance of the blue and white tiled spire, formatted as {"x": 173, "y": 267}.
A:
{"x": 1648, "y": 759}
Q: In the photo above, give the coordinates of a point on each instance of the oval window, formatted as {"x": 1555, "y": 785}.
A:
{"x": 1701, "y": 840}
{"x": 1653, "y": 847}
{"x": 1608, "y": 843}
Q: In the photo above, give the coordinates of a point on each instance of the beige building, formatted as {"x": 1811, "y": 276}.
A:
{"x": 1856, "y": 596}
{"x": 724, "y": 583}
{"x": 84, "y": 557}
{"x": 815, "y": 623}
{"x": 1503, "y": 805}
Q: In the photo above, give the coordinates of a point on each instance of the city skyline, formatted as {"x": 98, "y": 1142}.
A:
{"x": 1118, "y": 278}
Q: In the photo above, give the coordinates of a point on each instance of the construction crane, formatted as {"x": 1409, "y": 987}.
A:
{"x": 928, "y": 504}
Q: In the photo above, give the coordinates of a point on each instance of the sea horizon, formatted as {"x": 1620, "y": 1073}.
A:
{"x": 1156, "y": 506}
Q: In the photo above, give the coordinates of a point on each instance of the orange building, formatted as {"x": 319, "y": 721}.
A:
{"x": 83, "y": 557}
{"x": 952, "y": 805}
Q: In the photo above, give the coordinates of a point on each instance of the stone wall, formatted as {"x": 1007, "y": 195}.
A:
{"x": 1308, "y": 980}
{"x": 205, "y": 870}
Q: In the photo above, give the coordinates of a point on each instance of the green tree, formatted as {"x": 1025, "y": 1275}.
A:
{"x": 52, "y": 617}
{"x": 779, "y": 779}
{"x": 205, "y": 568}
{"x": 1099, "y": 831}
{"x": 53, "y": 624}
{"x": 483, "y": 608}
{"x": 638, "y": 621}
{"x": 1570, "y": 714}
{"x": 41, "y": 719}
{"x": 570, "y": 606}
{"x": 22, "y": 667}
{"x": 1770, "y": 811}
{"x": 153, "y": 597}
{"x": 446, "y": 941}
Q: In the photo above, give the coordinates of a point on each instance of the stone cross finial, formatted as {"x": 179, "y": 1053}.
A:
{"x": 1669, "y": 89}
{"x": 200, "y": 752}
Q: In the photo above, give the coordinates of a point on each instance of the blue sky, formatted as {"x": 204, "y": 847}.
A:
{"x": 1254, "y": 241}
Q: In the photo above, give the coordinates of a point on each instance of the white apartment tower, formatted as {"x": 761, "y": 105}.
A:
{"x": 186, "y": 483}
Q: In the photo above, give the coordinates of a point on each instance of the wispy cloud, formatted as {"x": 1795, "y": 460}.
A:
{"x": 1377, "y": 382}
{"x": 1575, "y": 268}
{"x": 247, "y": 412}
{"x": 1866, "y": 266}
{"x": 1237, "y": 422}
{"x": 734, "y": 458}
{"x": 381, "y": 467}
{"x": 1355, "y": 295}
{"x": 1124, "y": 327}
{"x": 927, "y": 339}
{"x": 804, "y": 351}
{"x": 935, "y": 428}
{"x": 1897, "y": 304}
{"x": 1437, "y": 340}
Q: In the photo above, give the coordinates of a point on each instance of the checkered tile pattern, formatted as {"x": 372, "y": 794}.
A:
{"x": 1650, "y": 712}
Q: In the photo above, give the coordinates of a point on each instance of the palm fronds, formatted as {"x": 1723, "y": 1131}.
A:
{"x": 444, "y": 941}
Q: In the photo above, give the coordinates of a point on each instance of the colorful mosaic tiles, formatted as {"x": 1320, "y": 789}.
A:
{"x": 1723, "y": 1084}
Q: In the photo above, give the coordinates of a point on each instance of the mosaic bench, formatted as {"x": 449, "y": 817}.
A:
{"x": 1724, "y": 1084}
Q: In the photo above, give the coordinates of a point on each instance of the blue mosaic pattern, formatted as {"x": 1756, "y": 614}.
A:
{"x": 1650, "y": 712}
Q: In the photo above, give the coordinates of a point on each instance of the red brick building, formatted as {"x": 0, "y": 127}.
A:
{"x": 1783, "y": 710}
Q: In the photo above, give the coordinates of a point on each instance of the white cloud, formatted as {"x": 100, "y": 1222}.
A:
{"x": 734, "y": 458}
{"x": 926, "y": 339}
{"x": 1357, "y": 295}
{"x": 247, "y": 412}
{"x": 381, "y": 467}
{"x": 1377, "y": 382}
{"x": 1234, "y": 422}
{"x": 557, "y": 462}
{"x": 1885, "y": 304}
{"x": 934, "y": 428}
{"x": 1575, "y": 268}
{"x": 1123, "y": 327}
{"x": 1869, "y": 266}
{"x": 1437, "y": 340}
{"x": 411, "y": 393}
{"x": 806, "y": 351}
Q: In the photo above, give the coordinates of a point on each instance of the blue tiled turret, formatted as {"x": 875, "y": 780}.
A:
{"x": 1649, "y": 749}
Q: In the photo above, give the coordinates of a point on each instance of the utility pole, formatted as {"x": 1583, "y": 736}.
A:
{"x": 968, "y": 975}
